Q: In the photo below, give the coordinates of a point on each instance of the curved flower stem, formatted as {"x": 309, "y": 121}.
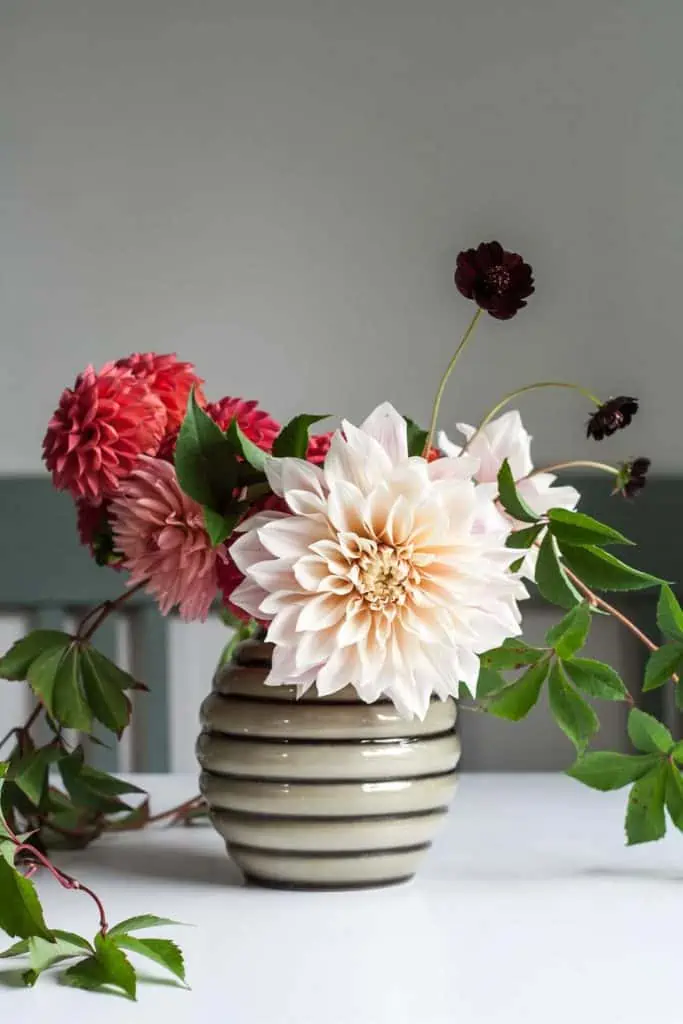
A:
{"x": 522, "y": 391}
{"x": 444, "y": 380}
{"x": 101, "y": 611}
{"x": 604, "y": 467}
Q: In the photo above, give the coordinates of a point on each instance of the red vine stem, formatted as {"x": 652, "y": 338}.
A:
{"x": 101, "y": 611}
{"x": 66, "y": 881}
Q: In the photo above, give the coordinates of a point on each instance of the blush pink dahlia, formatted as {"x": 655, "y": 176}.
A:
{"x": 160, "y": 532}
{"x": 100, "y": 428}
{"x": 169, "y": 379}
{"x": 377, "y": 576}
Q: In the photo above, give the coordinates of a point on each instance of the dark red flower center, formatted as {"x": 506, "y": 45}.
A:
{"x": 498, "y": 279}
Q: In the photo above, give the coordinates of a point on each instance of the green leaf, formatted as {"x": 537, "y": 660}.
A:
{"x": 116, "y": 964}
{"x": 569, "y": 634}
{"x": 575, "y": 717}
{"x": 21, "y": 914}
{"x": 42, "y": 674}
{"x": 647, "y": 734}
{"x": 204, "y": 459}
{"x": 517, "y": 699}
{"x": 161, "y": 951}
{"x": 523, "y": 538}
{"x": 219, "y": 527}
{"x": 104, "y": 684}
{"x": 30, "y": 774}
{"x": 489, "y": 682}
{"x": 516, "y": 565}
{"x": 89, "y": 974}
{"x": 595, "y": 678}
{"x": 674, "y": 795}
{"x": 670, "y": 614}
{"x": 605, "y": 770}
{"x": 44, "y": 954}
{"x": 509, "y": 498}
{"x": 69, "y": 706}
{"x": 579, "y": 529}
{"x": 136, "y": 924}
{"x": 16, "y": 663}
{"x": 551, "y": 579}
{"x": 292, "y": 441}
{"x": 417, "y": 437}
{"x": 645, "y": 819}
{"x": 677, "y": 752}
{"x": 603, "y": 571}
{"x": 90, "y": 788}
{"x": 513, "y": 653}
{"x": 662, "y": 664}
{"x": 241, "y": 444}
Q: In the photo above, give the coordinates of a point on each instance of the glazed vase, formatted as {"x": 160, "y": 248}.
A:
{"x": 321, "y": 792}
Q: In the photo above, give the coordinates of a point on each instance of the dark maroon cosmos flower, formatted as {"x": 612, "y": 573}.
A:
{"x": 612, "y": 415}
{"x": 497, "y": 280}
{"x": 632, "y": 477}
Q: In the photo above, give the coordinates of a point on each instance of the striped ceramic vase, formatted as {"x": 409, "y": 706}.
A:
{"x": 321, "y": 792}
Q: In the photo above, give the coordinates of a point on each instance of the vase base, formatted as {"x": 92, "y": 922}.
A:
{"x": 273, "y": 883}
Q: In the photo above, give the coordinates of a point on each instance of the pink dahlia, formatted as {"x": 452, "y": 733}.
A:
{"x": 169, "y": 379}
{"x": 318, "y": 447}
{"x": 98, "y": 431}
{"x": 255, "y": 423}
{"x": 160, "y": 532}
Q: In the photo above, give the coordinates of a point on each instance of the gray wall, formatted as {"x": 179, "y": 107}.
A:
{"x": 278, "y": 188}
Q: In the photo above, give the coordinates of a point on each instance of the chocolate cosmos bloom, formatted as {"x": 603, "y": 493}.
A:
{"x": 497, "y": 280}
{"x": 631, "y": 479}
{"x": 612, "y": 415}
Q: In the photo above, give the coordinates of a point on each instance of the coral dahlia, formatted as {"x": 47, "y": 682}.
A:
{"x": 160, "y": 532}
{"x": 377, "y": 577}
{"x": 255, "y": 423}
{"x": 169, "y": 379}
{"x": 98, "y": 431}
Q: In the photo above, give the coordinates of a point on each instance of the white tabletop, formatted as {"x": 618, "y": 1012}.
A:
{"x": 529, "y": 909}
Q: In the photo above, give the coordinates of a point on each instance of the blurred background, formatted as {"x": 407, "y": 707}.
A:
{"x": 277, "y": 190}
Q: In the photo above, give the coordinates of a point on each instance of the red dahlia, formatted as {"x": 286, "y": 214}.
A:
{"x": 169, "y": 379}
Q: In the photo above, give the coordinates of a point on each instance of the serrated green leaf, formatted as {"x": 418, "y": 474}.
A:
{"x": 15, "y": 664}
{"x": 489, "y": 682}
{"x": 69, "y": 706}
{"x": 161, "y": 951}
{"x": 30, "y": 773}
{"x": 42, "y": 675}
{"x": 551, "y": 579}
{"x": 670, "y": 614}
{"x": 662, "y": 664}
{"x": 90, "y": 788}
{"x": 43, "y": 954}
{"x": 7, "y": 847}
{"x": 645, "y": 821}
{"x": 417, "y": 437}
{"x": 88, "y": 974}
{"x": 579, "y": 529}
{"x": 254, "y": 455}
{"x": 569, "y": 634}
{"x": 510, "y": 499}
{"x": 205, "y": 463}
{"x": 116, "y": 964}
{"x": 512, "y": 653}
{"x": 21, "y": 914}
{"x": 518, "y": 698}
{"x": 219, "y": 527}
{"x": 647, "y": 733}
{"x": 104, "y": 684}
{"x": 575, "y": 717}
{"x": 523, "y": 538}
{"x": 606, "y": 770}
{"x": 674, "y": 795}
{"x": 603, "y": 571}
{"x": 595, "y": 678}
{"x": 292, "y": 441}
{"x": 141, "y": 921}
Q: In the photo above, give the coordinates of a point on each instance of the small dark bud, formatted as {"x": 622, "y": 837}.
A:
{"x": 632, "y": 477}
{"x": 497, "y": 280}
{"x": 613, "y": 415}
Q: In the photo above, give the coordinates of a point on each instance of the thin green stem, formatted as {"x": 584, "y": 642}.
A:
{"x": 444, "y": 380}
{"x": 604, "y": 467}
{"x": 522, "y": 391}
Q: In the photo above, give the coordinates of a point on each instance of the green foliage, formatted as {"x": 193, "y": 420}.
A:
{"x": 606, "y": 770}
{"x": 595, "y": 678}
{"x": 510, "y": 499}
{"x": 241, "y": 445}
{"x": 551, "y": 578}
{"x": 569, "y": 634}
{"x": 648, "y": 734}
{"x": 30, "y": 772}
{"x": 523, "y": 538}
{"x": 204, "y": 460}
{"x": 417, "y": 437}
{"x": 93, "y": 789}
{"x": 512, "y": 653}
{"x": 21, "y": 914}
{"x": 104, "y": 684}
{"x": 141, "y": 922}
{"x": 674, "y": 795}
{"x": 18, "y": 660}
{"x": 292, "y": 441}
{"x": 218, "y": 526}
{"x": 603, "y": 571}
{"x": 662, "y": 664}
{"x": 645, "y": 820}
{"x": 163, "y": 952}
{"x": 572, "y": 713}
{"x": 670, "y": 615}
{"x": 518, "y": 698}
{"x": 581, "y": 530}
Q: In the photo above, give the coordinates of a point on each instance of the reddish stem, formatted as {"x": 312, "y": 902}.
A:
{"x": 100, "y": 612}
{"x": 66, "y": 881}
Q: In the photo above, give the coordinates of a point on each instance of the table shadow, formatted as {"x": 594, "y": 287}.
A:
{"x": 166, "y": 862}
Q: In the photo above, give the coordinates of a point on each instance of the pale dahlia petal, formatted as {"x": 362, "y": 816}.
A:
{"x": 160, "y": 532}
{"x": 387, "y": 576}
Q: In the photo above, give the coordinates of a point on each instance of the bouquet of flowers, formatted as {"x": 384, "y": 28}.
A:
{"x": 383, "y": 556}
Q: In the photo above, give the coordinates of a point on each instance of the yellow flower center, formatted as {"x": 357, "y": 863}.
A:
{"x": 384, "y": 577}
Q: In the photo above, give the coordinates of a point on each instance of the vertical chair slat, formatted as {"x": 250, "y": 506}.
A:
{"x": 152, "y": 710}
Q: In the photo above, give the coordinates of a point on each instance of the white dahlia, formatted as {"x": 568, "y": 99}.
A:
{"x": 379, "y": 577}
{"x": 507, "y": 438}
